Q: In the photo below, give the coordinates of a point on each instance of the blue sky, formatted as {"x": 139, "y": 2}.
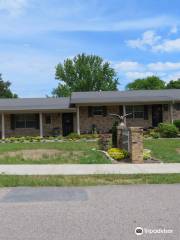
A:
{"x": 138, "y": 37}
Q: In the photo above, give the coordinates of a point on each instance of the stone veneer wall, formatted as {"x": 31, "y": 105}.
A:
{"x": 104, "y": 124}
{"x": 56, "y": 121}
{"x": 176, "y": 114}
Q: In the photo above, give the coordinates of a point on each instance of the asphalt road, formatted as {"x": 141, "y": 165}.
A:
{"x": 90, "y": 213}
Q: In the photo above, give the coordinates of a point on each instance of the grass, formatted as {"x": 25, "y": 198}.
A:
{"x": 167, "y": 150}
{"x": 70, "y": 152}
{"x": 90, "y": 180}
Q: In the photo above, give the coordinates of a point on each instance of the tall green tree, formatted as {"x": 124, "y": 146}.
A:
{"x": 151, "y": 82}
{"x": 173, "y": 84}
{"x": 84, "y": 73}
{"x": 5, "y": 91}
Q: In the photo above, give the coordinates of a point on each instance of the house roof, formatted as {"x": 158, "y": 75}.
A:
{"x": 131, "y": 96}
{"x": 104, "y": 97}
{"x": 21, "y": 104}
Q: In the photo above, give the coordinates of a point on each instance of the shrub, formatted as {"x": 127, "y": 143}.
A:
{"x": 146, "y": 154}
{"x": 117, "y": 153}
{"x": 177, "y": 124}
{"x": 104, "y": 142}
{"x": 154, "y": 133}
{"x": 73, "y": 136}
{"x": 167, "y": 130}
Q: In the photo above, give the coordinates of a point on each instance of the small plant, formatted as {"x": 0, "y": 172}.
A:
{"x": 146, "y": 154}
{"x": 117, "y": 153}
{"x": 168, "y": 130}
{"x": 104, "y": 142}
{"x": 177, "y": 124}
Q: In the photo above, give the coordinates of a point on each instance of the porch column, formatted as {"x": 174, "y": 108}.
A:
{"x": 124, "y": 113}
{"x": 77, "y": 120}
{"x": 2, "y": 126}
{"x": 41, "y": 124}
{"x": 171, "y": 112}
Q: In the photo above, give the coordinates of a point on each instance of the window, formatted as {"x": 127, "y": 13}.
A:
{"x": 48, "y": 119}
{"x": 97, "y": 110}
{"x": 137, "y": 111}
{"x": 177, "y": 106}
{"x": 25, "y": 121}
{"x": 129, "y": 109}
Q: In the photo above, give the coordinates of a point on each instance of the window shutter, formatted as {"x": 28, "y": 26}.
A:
{"x": 13, "y": 121}
{"x": 104, "y": 111}
{"x": 146, "y": 112}
{"x": 37, "y": 120}
{"x": 90, "y": 113}
{"x": 121, "y": 111}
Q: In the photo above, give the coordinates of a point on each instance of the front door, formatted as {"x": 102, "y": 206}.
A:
{"x": 156, "y": 115}
{"x": 67, "y": 123}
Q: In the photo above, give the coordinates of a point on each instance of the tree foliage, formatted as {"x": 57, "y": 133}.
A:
{"x": 173, "y": 84}
{"x": 152, "y": 82}
{"x": 5, "y": 91}
{"x": 84, "y": 73}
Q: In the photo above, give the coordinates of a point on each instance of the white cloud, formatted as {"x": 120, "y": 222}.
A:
{"x": 131, "y": 70}
{"x": 13, "y": 7}
{"x": 168, "y": 46}
{"x": 127, "y": 66}
{"x": 135, "y": 75}
{"x": 174, "y": 30}
{"x": 164, "y": 66}
{"x": 172, "y": 76}
{"x": 148, "y": 39}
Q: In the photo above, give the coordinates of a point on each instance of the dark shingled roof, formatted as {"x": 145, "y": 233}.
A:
{"x": 139, "y": 96}
{"x": 34, "y": 104}
{"x": 131, "y": 96}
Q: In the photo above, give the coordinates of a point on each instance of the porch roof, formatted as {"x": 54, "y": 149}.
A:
{"x": 36, "y": 104}
{"x": 131, "y": 96}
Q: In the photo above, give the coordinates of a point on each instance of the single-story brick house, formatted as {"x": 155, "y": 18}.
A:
{"x": 84, "y": 111}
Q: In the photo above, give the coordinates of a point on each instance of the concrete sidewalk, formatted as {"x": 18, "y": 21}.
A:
{"x": 87, "y": 169}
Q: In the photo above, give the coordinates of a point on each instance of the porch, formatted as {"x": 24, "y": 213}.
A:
{"x": 43, "y": 124}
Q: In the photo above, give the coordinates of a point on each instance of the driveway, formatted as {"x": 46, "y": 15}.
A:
{"x": 90, "y": 213}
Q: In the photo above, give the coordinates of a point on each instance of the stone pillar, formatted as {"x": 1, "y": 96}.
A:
{"x": 120, "y": 128}
{"x": 136, "y": 144}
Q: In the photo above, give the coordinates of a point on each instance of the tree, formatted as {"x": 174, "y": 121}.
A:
{"x": 84, "y": 73}
{"x": 173, "y": 84}
{"x": 5, "y": 91}
{"x": 152, "y": 82}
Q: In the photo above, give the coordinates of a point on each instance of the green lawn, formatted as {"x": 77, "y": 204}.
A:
{"x": 167, "y": 150}
{"x": 93, "y": 180}
{"x": 66, "y": 152}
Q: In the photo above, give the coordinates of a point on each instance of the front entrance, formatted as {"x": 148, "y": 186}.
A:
{"x": 156, "y": 115}
{"x": 67, "y": 123}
